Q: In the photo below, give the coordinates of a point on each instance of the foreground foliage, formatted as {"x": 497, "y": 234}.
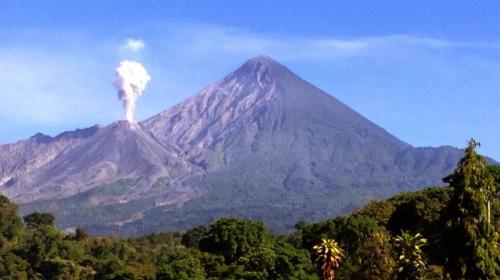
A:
{"x": 411, "y": 261}
{"x": 328, "y": 257}
{"x": 383, "y": 240}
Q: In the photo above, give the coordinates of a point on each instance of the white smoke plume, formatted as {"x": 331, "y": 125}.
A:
{"x": 130, "y": 81}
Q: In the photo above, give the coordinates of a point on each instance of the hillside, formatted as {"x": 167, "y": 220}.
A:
{"x": 232, "y": 248}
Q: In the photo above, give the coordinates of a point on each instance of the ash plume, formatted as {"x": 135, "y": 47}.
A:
{"x": 130, "y": 81}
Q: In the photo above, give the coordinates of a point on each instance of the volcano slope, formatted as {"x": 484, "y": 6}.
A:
{"x": 261, "y": 143}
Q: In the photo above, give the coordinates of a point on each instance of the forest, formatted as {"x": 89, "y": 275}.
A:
{"x": 446, "y": 232}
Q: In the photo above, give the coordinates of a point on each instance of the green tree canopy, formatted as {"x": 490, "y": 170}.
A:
{"x": 234, "y": 238}
{"x": 192, "y": 237}
{"x": 36, "y": 220}
{"x": 186, "y": 268}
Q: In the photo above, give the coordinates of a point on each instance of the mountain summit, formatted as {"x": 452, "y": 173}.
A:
{"x": 260, "y": 143}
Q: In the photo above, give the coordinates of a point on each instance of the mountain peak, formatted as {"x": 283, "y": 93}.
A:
{"x": 261, "y": 71}
{"x": 260, "y": 66}
{"x": 262, "y": 60}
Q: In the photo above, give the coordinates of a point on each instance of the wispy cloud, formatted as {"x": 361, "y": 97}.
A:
{"x": 203, "y": 39}
{"x": 134, "y": 44}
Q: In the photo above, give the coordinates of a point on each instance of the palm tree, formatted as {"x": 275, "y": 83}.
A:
{"x": 411, "y": 261}
{"x": 328, "y": 256}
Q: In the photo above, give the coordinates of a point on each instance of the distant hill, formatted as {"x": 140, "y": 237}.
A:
{"x": 261, "y": 143}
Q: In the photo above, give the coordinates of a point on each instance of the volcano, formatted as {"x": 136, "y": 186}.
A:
{"x": 261, "y": 143}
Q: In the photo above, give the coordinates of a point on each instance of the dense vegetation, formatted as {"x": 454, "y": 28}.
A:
{"x": 404, "y": 237}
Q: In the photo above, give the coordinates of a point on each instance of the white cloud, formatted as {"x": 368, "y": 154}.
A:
{"x": 135, "y": 44}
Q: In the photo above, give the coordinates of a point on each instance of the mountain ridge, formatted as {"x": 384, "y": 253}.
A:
{"x": 259, "y": 143}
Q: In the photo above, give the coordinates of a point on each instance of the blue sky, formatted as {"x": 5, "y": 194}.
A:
{"x": 427, "y": 71}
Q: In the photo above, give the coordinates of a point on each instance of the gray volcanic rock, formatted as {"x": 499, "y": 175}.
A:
{"x": 18, "y": 161}
{"x": 265, "y": 118}
{"x": 261, "y": 143}
{"x": 279, "y": 149}
{"x": 42, "y": 167}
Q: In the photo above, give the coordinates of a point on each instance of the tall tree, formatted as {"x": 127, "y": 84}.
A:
{"x": 472, "y": 242}
{"x": 328, "y": 257}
